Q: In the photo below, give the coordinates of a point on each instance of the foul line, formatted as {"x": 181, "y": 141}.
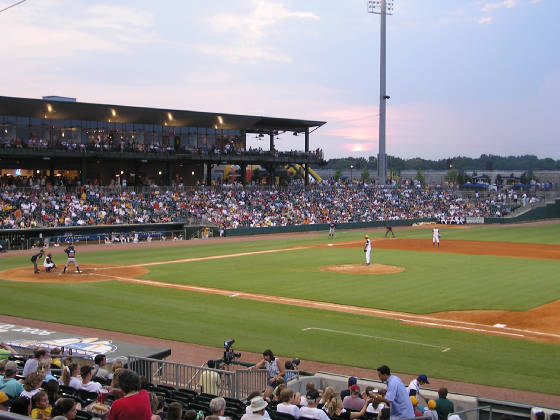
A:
{"x": 444, "y": 349}
{"x": 212, "y": 257}
{"x": 399, "y": 316}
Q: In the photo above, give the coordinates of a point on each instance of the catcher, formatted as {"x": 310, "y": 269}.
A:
{"x": 49, "y": 263}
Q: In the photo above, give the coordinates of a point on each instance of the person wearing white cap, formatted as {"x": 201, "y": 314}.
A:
{"x": 258, "y": 408}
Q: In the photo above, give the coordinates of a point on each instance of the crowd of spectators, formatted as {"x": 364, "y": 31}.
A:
{"x": 131, "y": 145}
{"x": 231, "y": 206}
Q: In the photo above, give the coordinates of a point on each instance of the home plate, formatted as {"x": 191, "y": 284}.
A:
{"x": 499, "y": 325}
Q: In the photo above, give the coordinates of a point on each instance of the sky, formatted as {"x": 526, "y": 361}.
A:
{"x": 465, "y": 77}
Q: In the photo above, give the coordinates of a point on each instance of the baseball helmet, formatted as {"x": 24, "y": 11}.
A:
{"x": 367, "y": 236}
{"x": 49, "y": 255}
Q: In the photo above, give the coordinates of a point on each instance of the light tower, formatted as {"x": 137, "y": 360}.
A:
{"x": 383, "y": 8}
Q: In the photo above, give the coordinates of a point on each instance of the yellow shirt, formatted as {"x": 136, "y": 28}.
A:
{"x": 40, "y": 413}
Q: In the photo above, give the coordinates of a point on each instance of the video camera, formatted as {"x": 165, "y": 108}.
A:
{"x": 229, "y": 353}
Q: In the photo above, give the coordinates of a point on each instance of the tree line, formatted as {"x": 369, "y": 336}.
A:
{"x": 460, "y": 163}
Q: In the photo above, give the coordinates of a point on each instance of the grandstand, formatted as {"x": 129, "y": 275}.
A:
{"x": 103, "y": 144}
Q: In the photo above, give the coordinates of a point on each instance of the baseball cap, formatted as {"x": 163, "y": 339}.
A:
{"x": 355, "y": 388}
{"x": 352, "y": 381}
{"x": 3, "y": 397}
{"x": 423, "y": 378}
{"x": 11, "y": 367}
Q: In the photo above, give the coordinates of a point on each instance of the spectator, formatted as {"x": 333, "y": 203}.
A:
{"x": 40, "y": 406}
{"x": 248, "y": 408}
{"x": 4, "y": 401}
{"x": 21, "y": 405}
{"x": 32, "y": 364}
{"x": 328, "y": 395}
{"x": 431, "y": 412}
{"x": 354, "y": 401}
{"x": 32, "y": 385}
{"x": 71, "y": 376}
{"x": 52, "y": 390}
{"x": 9, "y": 384}
{"x": 287, "y": 403}
{"x": 274, "y": 368}
{"x": 210, "y": 380}
{"x": 336, "y": 409}
{"x": 396, "y": 394}
{"x": 87, "y": 384}
{"x": 117, "y": 364}
{"x": 99, "y": 370}
{"x": 417, "y": 411}
{"x": 174, "y": 411}
{"x": 443, "y": 406}
{"x": 258, "y": 408}
{"x": 218, "y": 407}
{"x": 311, "y": 411}
{"x": 346, "y": 392}
{"x": 135, "y": 405}
{"x": 5, "y": 351}
{"x": 65, "y": 409}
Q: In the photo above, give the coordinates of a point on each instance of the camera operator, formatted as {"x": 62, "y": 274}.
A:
{"x": 274, "y": 368}
{"x": 210, "y": 380}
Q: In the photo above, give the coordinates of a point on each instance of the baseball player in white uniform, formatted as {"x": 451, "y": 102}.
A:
{"x": 367, "y": 249}
{"x": 435, "y": 237}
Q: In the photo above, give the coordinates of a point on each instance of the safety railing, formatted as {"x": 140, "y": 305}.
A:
{"x": 223, "y": 382}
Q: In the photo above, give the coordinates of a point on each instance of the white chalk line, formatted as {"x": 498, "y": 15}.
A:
{"x": 444, "y": 349}
{"x": 403, "y": 317}
{"x": 211, "y": 257}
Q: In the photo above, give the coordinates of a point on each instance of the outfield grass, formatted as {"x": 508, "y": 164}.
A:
{"x": 432, "y": 282}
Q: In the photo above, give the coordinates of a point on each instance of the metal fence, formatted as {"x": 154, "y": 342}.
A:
{"x": 233, "y": 383}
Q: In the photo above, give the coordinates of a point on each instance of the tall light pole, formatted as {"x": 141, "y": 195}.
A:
{"x": 351, "y": 177}
{"x": 383, "y": 8}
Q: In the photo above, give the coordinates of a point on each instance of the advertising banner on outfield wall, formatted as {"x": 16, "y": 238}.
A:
{"x": 472, "y": 220}
{"x": 24, "y": 337}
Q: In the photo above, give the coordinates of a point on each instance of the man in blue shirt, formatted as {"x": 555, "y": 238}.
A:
{"x": 396, "y": 395}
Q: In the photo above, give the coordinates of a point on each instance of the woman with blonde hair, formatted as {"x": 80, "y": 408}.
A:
{"x": 287, "y": 403}
{"x": 328, "y": 394}
{"x": 71, "y": 376}
{"x": 32, "y": 384}
{"x": 336, "y": 409}
{"x": 116, "y": 365}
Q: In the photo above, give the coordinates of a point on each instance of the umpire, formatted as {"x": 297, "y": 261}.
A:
{"x": 34, "y": 259}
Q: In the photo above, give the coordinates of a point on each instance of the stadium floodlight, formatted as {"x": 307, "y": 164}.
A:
{"x": 382, "y": 8}
{"x": 374, "y": 6}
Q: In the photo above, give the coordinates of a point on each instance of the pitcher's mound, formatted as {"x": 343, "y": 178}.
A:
{"x": 363, "y": 269}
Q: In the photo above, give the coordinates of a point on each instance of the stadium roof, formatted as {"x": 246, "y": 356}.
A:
{"x": 54, "y": 109}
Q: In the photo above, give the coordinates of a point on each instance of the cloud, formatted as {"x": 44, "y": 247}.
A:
{"x": 55, "y": 29}
{"x": 508, "y": 4}
{"x": 245, "y": 32}
{"x": 484, "y": 20}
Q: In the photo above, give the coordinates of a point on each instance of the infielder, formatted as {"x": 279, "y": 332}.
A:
{"x": 332, "y": 226}
{"x": 367, "y": 248}
{"x": 49, "y": 263}
{"x": 435, "y": 237}
{"x": 71, "y": 252}
{"x": 389, "y": 229}
{"x": 34, "y": 259}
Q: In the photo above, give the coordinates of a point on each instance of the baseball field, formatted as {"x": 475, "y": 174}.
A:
{"x": 483, "y": 308}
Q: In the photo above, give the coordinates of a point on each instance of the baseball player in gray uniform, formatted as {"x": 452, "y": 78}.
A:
{"x": 71, "y": 252}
